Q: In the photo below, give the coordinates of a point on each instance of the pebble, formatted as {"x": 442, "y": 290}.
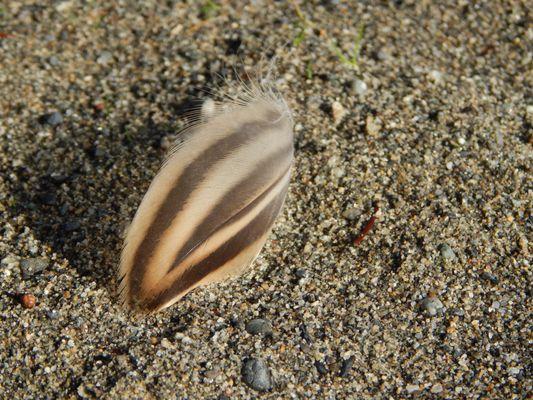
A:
{"x": 256, "y": 374}
{"x": 71, "y": 226}
{"x": 487, "y": 276}
{"x": 346, "y": 367}
{"x": 9, "y": 261}
{"x": 446, "y": 252}
{"x": 104, "y": 58}
{"x": 321, "y": 368}
{"x": 412, "y": 388}
{"x": 373, "y": 126}
{"x": 301, "y": 273}
{"x": 27, "y": 300}
{"x": 436, "y": 388}
{"x": 432, "y": 305}
{"x": 52, "y": 314}
{"x": 53, "y": 119}
{"x": 435, "y": 76}
{"x": 383, "y": 54}
{"x": 64, "y": 6}
{"x": 57, "y": 177}
{"x": 259, "y": 326}
{"x": 360, "y": 87}
{"x": 459, "y": 312}
{"x": 351, "y": 213}
{"x": 32, "y": 266}
{"x": 338, "y": 112}
{"x": 54, "y": 61}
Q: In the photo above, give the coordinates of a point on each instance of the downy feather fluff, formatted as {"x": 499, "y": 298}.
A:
{"x": 209, "y": 210}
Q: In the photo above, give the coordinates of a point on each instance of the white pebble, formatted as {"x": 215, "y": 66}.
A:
{"x": 360, "y": 87}
{"x": 373, "y": 126}
{"x": 338, "y": 112}
{"x": 437, "y": 388}
{"x": 435, "y": 76}
{"x": 412, "y": 388}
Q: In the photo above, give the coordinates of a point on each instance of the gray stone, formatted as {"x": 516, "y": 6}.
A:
{"x": 301, "y": 273}
{"x": 55, "y": 118}
{"x": 256, "y": 374}
{"x": 54, "y": 61}
{"x": 360, "y": 87}
{"x": 71, "y": 226}
{"x": 383, "y": 54}
{"x": 351, "y": 213}
{"x": 487, "y": 276}
{"x": 52, "y": 314}
{"x": 436, "y": 388}
{"x": 446, "y": 252}
{"x": 104, "y": 58}
{"x": 32, "y": 266}
{"x": 431, "y": 305}
{"x": 259, "y": 326}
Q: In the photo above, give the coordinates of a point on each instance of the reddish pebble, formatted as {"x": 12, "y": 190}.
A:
{"x": 27, "y": 300}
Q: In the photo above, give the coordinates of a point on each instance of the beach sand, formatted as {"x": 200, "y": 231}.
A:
{"x": 427, "y": 127}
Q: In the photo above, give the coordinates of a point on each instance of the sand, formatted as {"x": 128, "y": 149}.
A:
{"x": 426, "y": 126}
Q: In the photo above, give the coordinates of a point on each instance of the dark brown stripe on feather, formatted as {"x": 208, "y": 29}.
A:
{"x": 228, "y": 207}
{"x": 230, "y": 249}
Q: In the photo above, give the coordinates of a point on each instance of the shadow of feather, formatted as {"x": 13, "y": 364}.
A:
{"x": 78, "y": 193}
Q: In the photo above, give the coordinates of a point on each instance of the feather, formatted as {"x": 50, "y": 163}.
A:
{"x": 208, "y": 212}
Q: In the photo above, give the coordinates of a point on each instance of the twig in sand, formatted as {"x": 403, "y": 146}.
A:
{"x": 366, "y": 228}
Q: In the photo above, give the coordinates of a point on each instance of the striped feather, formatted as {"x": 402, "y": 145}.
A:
{"x": 208, "y": 212}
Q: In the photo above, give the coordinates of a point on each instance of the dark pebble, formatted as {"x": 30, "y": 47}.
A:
{"x": 487, "y": 276}
{"x": 47, "y": 198}
{"x": 256, "y": 374}
{"x": 32, "y": 266}
{"x": 301, "y": 273}
{"x": 321, "y": 368}
{"x": 495, "y": 352}
{"x": 52, "y": 119}
{"x": 459, "y": 312}
{"x": 58, "y": 178}
{"x": 97, "y": 151}
{"x": 71, "y": 226}
{"x": 259, "y": 326}
{"x": 305, "y": 333}
{"x": 346, "y": 367}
